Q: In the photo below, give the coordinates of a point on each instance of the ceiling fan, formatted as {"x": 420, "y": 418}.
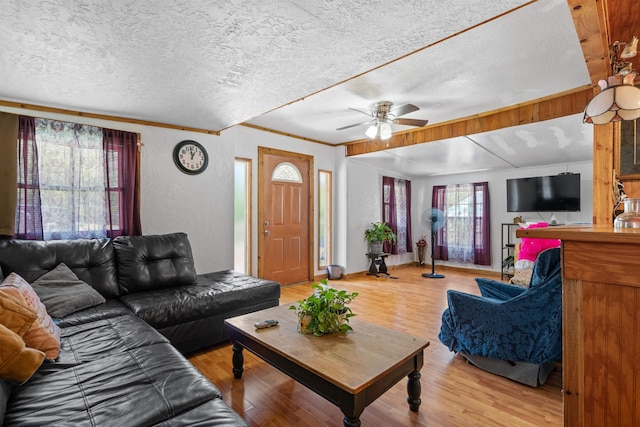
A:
{"x": 383, "y": 116}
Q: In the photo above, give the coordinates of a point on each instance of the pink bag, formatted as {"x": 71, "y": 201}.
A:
{"x": 531, "y": 247}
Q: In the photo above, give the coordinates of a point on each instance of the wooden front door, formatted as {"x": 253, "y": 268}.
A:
{"x": 284, "y": 216}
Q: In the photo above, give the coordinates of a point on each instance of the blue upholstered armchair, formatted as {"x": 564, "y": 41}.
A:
{"x": 511, "y": 331}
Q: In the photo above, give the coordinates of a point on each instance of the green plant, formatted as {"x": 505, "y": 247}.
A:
{"x": 379, "y": 232}
{"x": 507, "y": 262}
{"x": 325, "y": 311}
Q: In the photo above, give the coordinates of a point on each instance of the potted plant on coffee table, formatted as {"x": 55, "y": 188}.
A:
{"x": 324, "y": 312}
{"x": 377, "y": 234}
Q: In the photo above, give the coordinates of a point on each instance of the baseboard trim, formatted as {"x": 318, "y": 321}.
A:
{"x": 427, "y": 268}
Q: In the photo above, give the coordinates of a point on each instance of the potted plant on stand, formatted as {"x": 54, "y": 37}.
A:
{"x": 325, "y": 311}
{"x": 377, "y": 234}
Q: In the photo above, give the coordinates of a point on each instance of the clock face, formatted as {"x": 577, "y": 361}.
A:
{"x": 190, "y": 157}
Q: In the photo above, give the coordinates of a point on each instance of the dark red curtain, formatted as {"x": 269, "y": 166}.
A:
{"x": 123, "y": 196}
{"x": 481, "y": 224}
{"x": 122, "y": 183}
{"x": 400, "y": 226}
{"x": 28, "y": 209}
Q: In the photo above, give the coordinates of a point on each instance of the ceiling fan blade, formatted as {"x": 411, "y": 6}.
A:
{"x": 405, "y": 109}
{"x": 352, "y": 126}
{"x": 412, "y": 122}
{"x": 366, "y": 113}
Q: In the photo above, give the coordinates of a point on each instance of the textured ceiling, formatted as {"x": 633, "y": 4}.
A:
{"x": 292, "y": 66}
{"x": 209, "y": 64}
{"x": 527, "y": 54}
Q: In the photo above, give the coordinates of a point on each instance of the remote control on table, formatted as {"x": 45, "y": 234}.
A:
{"x": 266, "y": 324}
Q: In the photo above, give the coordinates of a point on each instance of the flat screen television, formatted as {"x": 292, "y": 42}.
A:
{"x": 555, "y": 193}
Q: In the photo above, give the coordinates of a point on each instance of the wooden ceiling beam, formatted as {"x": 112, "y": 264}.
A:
{"x": 592, "y": 27}
{"x": 560, "y": 105}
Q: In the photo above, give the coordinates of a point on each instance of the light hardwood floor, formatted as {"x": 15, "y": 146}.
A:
{"x": 454, "y": 393}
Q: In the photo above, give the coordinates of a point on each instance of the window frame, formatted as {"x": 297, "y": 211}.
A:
{"x": 325, "y": 195}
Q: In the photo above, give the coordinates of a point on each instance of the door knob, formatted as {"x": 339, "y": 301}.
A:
{"x": 267, "y": 232}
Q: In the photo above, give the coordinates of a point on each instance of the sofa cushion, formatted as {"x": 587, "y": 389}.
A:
{"x": 224, "y": 416}
{"x": 153, "y": 262}
{"x": 111, "y": 308}
{"x": 212, "y": 294}
{"x": 63, "y": 293}
{"x": 87, "y": 342}
{"x": 143, "y": 386}
{"x": 43, "y": 334}
{"x": 5, "y": 392}
{"x": 92, "y": 260}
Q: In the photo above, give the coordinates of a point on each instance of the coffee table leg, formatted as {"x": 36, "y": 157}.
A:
{"x": 414, "y": 390}
{"x": 238, "y": 361}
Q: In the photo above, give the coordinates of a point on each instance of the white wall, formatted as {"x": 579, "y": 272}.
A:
{"x": 171, "y": 201}
{"x": 202, "y": 205}
{"x": 245, "y": 142}
{"x": 422, "y": 190}
{"x": 364, "y": 206}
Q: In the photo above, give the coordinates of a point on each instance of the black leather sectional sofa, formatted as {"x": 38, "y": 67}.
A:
{"x": 121, "y": 362}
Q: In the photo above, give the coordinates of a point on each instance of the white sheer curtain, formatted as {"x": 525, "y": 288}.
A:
{"x": 460, "y": 231}
{"x": 401, "y": 214}
{"x": 72, "y": 180}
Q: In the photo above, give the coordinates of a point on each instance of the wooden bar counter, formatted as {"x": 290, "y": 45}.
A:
{"x": 601, "y": 323}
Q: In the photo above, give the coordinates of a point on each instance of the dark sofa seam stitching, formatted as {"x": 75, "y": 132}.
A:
{"x": 170, "y": 409}
{"x": 84, "y": 397}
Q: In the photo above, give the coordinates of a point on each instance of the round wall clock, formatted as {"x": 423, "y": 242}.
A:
{"x": 190, "y": 157}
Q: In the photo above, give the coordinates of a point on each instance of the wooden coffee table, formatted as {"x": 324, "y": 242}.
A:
{"x": 350, "y": 371}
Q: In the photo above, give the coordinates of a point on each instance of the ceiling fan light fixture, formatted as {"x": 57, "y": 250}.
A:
{"x": 382, "y": 116}
{"x": 385, "y": 131}
{"x": 372, "y": 131}
{"x": 619, "y": 99}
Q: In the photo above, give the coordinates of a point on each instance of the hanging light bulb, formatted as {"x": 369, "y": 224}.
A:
{"x": 631, "y": 49}
{"x": 385, "y": 131}
{"x": 372, "y": 131}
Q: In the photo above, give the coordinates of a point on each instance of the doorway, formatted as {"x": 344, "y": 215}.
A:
{"x": 285, "y": 216}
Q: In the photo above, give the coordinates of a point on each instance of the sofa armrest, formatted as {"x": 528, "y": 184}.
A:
{"x": 498, "y": 290}
{"x": 517, "y": 329}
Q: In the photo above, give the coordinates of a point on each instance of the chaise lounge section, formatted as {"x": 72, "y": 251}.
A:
{"x": 120, "y": 361}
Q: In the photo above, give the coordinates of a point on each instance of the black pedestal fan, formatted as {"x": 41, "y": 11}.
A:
{"x": 436, "y": 218}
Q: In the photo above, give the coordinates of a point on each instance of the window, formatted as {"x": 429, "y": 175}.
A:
{"x": 396, "y": 212}
{"x": 75, "y": 181}
{"x": 324, "y": 218}
{"x": 242, "y": 216}
{"x": 465, "y": 236}
{"x": 286, "y": 171}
